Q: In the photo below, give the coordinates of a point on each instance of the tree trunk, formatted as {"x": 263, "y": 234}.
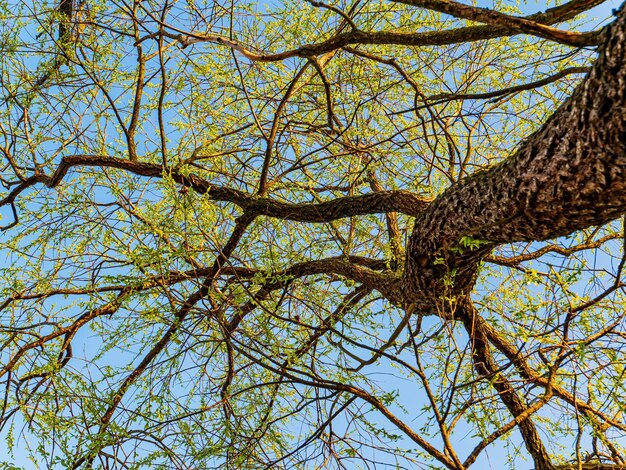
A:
{"x": 569, "y": 175}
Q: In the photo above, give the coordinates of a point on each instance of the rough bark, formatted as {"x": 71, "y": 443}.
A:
{"x": 569, "y": 175}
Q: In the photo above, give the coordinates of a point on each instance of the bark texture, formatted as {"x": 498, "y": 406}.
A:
{"x": 568, "y": 175}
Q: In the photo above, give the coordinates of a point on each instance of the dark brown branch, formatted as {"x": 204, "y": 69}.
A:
{"x": 358, "y": 269}
{"x": 139, "y": 87}
{"x": 375, "y": 203}
{"x": 272, "y": 135}
{"x": 444, "y": 97}
{"x": 85, "y": 318}
{"x": 551, "y": 248}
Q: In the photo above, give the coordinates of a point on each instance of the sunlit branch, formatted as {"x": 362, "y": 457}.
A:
{"x": 537, "y": 24}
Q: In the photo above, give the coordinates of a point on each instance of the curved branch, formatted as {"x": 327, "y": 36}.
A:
{"x": 85, "y": 318}
{"x": 382, "y": 202}
{"x": 373, "y": 274}
{"x": 551, "y": 248}
{"x": 445, "y": 97}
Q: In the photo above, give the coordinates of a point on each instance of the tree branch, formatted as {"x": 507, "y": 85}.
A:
{"x": 495, "y": 18}
{"x": 486, "y": 366}
{"x": 374, "y": 203}
{"x": 538, "y": 21}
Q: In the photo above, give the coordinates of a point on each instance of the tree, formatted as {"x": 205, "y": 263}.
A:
{"x": 368, "y": 234}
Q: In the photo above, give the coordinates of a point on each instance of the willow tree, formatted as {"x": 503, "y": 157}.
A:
{"x": 368, "y": 234}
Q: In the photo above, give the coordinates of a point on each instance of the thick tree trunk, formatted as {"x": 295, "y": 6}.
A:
{"x": 569, "y": 175}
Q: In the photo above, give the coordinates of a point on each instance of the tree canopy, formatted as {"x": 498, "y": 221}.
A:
{"x": 297, "y": 234}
